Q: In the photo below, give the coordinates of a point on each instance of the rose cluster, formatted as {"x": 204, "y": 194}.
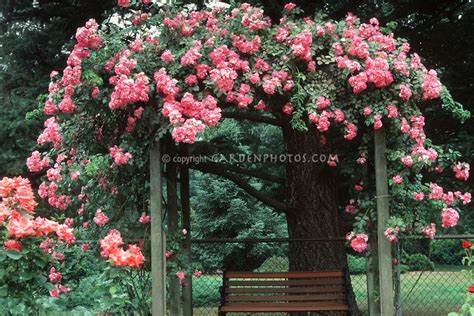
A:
{"x": 111, "y": 246}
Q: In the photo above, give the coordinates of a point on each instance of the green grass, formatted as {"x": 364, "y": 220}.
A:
{"x": 435, "y": 293}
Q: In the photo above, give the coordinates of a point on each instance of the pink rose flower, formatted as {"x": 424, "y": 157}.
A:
{"x": 181, "y": 275}
{"x": 144, "y": 219}
{"x": 398, "y": 179}
{"x": 359, "y": 243}
{"x": 429, "y": 231}
{"x": 449, "y": 217}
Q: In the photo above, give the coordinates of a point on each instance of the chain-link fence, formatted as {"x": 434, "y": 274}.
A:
{"x": 212, "y": 257}
{"x": 430, "y": 274}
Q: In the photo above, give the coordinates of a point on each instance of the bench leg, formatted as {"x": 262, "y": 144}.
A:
{"x": 221, "y": 313}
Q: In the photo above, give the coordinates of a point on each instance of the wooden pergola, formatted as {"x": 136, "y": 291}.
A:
{"x": 379, "y": 276}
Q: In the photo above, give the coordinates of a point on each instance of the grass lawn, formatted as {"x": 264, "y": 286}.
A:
{"x": 433, "y": 293}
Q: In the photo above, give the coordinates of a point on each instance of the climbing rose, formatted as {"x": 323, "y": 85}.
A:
{"x": 58, "y": 289}
{"x": 288, "y": 109}
{"x": 50, "y": 107}
{"x": 54, "y": 277}
{"x": 449, "y": 217}
{"x": 465, "y": 198}
{"x": 50, "y": 133}
{"x": 181, "y": 275}
{"x": 289, "y": 6}
{"x": 358, "y": 82}
{"x": 35, "y": 163}
{"x": 322, "y": 103}
{"x": 124, "y": 3}
{"x": 419, "y": 196}
{"x": 461, "y": 171}
{"x": 111, "y": 241}
{"x": 129, "y": 90}
{"x": 359, "y": 243}
{"x": 392, "y": 111}
{"x": 350, "y": 209}
{"x": 120, "y": 158}
{"x": 144, "y": 219}
{"x": 11, "y": 245}
{"x": 407, "y": 161}
{"x": 398, "y": 179}
{"x": 429, "y": 231}
{"x": 436, "y": 192}
{"x": 100, "y": 218}
{"x": 20, "y": 227}
{"x": 391, "y": 234}
{"x": 95, "y": 92}
{"x": 188, "y": 131}
{"x": 85, "y": 247}
{"x": 431, "y": 86}
{"x": 167, "y": 56}
{"x": 111, "y": 248}
{"x": 377, "y": 121}
{"x": 405, "y": 92}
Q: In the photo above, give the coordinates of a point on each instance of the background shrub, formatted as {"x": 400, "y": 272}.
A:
{"x": 446, "y": 251}
{"x": 357, "y": 265}
{"x": 418, "y": 262}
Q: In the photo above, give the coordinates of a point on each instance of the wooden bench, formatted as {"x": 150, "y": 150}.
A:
{"x": 283, "y": 292}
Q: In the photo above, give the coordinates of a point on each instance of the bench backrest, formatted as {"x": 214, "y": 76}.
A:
{"x": 324, "y": 288}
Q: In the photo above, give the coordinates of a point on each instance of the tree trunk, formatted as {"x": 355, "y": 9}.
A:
{"x": 313, "y": 212}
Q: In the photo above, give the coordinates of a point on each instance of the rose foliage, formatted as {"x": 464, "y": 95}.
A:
{"x": 31, "y": 244}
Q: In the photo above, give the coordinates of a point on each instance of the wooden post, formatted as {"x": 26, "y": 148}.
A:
{"x": 373, "y": 276}
{"x": 158, "y": 261}
{"x": 172, "y": 207}
{"x": 372, "y": 265}
{"x": 186, "y": 222}
{"x": 384, "y": 247}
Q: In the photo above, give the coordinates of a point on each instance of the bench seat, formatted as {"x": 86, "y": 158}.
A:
{"x": 244, "y": 292}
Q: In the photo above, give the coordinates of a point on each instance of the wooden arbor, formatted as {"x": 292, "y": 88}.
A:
{"x": 381, "y": 281}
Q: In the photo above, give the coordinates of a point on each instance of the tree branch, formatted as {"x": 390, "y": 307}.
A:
{"x": 251, "y": 173}
{"x": 252, "y": 117}
{"x": 241, "y": 183}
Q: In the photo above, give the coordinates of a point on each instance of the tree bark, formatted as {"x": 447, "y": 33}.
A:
{"x": 313, "y": 212}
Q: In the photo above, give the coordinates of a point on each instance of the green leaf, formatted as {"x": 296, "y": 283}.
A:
{"x": 15, "y": 255}
{"x": 113, "y": 290}
{"x": 3, "y": 291}
{"x": 25, "y": 276}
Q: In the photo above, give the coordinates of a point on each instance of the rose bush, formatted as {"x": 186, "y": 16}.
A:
{"x": 31, "y": 246}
